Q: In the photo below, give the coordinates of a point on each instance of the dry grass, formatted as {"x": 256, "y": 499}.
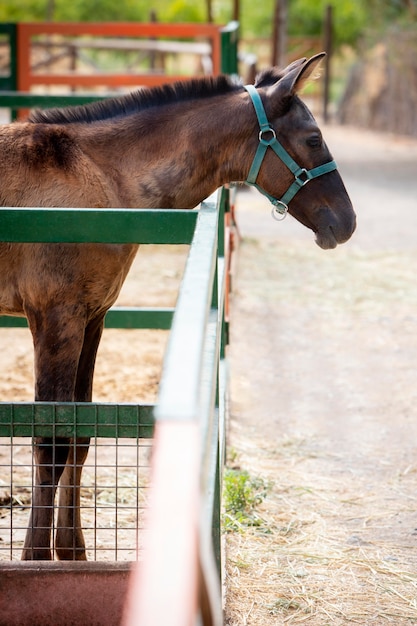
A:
{"x": 321, "y": 555}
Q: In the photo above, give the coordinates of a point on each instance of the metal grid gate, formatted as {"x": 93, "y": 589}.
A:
{"x": 115, "y": 483}
{"x": 115, "y": 477}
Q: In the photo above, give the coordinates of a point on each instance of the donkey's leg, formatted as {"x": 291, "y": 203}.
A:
{"x": 49, "y": 460}
{"x": 57, "y": 342}
{"x": 69, "y": 543}
{"x": 69, "y": 540}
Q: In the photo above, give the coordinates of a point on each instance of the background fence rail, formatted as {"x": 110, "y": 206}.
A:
{"x": 16, "y": 86}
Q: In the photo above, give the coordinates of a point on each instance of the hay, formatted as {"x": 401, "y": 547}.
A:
{"x": 304, "y": 565}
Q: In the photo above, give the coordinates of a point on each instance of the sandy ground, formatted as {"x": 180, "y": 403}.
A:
{"x": 323, "y": 386}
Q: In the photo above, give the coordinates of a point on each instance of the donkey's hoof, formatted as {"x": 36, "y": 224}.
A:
{"x": 71, "y": 554}
{"x": 36, "y": 554}
{"x": 69, "y": 546}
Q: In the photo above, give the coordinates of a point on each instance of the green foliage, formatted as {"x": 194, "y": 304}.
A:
{"x": 75, "y": 11}
{"x": 256, "y": 18}
{"x": 102, "y": 10}
{"x": 305, "y": 17}
{"x": 242, "y": 494}
{"x": 24, "y": 10}
{"x": 350, "y": 17}
{"x": 183, "y": 11}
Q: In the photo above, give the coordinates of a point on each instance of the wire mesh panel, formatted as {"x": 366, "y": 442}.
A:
{"x": 114, "y": 482}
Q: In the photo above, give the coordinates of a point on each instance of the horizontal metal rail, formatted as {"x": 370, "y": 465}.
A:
{"x": 116, "y": 317}
{"x": 144, "y": 226}
{"x": 28, "y": 100}
{"x": 72, "y": 419}
{"x": 73, "y": 225}
{"x": 145, "y": 317}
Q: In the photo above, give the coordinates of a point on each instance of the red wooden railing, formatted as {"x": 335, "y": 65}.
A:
{"x": 27, "y": 31}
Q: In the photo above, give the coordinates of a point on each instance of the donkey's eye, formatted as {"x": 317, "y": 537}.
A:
{"x": 314, "y": 141}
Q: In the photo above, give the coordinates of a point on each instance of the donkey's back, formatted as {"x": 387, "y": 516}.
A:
{"x": 45, "y": 165}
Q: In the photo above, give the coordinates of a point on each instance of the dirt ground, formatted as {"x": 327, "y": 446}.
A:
{"x": 323, "y": 386}
{"x": 323, "y": 394}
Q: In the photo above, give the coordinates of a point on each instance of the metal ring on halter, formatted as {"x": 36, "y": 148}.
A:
{"x": 279, "y": 214}
{"x": 266, "y": 142}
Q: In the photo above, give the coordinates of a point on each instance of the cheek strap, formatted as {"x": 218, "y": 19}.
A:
{"x": 268, "y": 139}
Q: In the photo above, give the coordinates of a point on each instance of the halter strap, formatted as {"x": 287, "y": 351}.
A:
{"x": 268, "y": 139}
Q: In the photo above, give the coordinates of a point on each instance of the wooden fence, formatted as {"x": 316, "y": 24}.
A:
{"x": 218, "y": 44}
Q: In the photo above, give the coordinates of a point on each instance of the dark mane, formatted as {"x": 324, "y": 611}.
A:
{"x": 268, "y": 77}
{"x": 193, "y": 89}
{"x": 273, "y": 74}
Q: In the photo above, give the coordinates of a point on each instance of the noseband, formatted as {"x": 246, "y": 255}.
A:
{"x": 268, "y": 139}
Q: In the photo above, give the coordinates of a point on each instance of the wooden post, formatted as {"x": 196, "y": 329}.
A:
{"x": 328, "y": 44}
{"x": 152, "y": 54}
{"x": 209, "y": 12}
{"x": 236, "y": 10}
{"x": 50, "y": 11}
{"x": 279, "y": 41}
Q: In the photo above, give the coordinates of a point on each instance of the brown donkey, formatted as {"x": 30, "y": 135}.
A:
{"x": 167, "y": 147}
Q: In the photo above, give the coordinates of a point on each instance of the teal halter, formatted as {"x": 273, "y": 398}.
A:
{"x": 301, "y": 175}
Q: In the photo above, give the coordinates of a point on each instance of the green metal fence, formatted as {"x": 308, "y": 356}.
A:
{"x": 193, "y": 387}
{"x": 9, "y": 81}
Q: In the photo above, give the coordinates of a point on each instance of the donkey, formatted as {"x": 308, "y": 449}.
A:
{"x": 170, "y": 147}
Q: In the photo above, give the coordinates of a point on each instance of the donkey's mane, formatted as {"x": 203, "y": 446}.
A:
{"x": 193, "y": 89}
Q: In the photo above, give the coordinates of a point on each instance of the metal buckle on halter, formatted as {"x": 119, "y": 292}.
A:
{"x": 279, "y": 210}
{"x": 302, "y": 178}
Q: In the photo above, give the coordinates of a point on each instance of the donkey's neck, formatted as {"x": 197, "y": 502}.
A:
{"x": 177, "y": 155}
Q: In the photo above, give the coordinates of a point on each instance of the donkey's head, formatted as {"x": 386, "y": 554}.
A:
{"x": 293, "y": 165}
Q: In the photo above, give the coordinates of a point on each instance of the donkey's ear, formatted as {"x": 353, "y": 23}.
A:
{"x": 292, "y": 82}
{"x": 308, "y": 71}
{"x": 272, "y": 75}
{"x": 295, "y": 65}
